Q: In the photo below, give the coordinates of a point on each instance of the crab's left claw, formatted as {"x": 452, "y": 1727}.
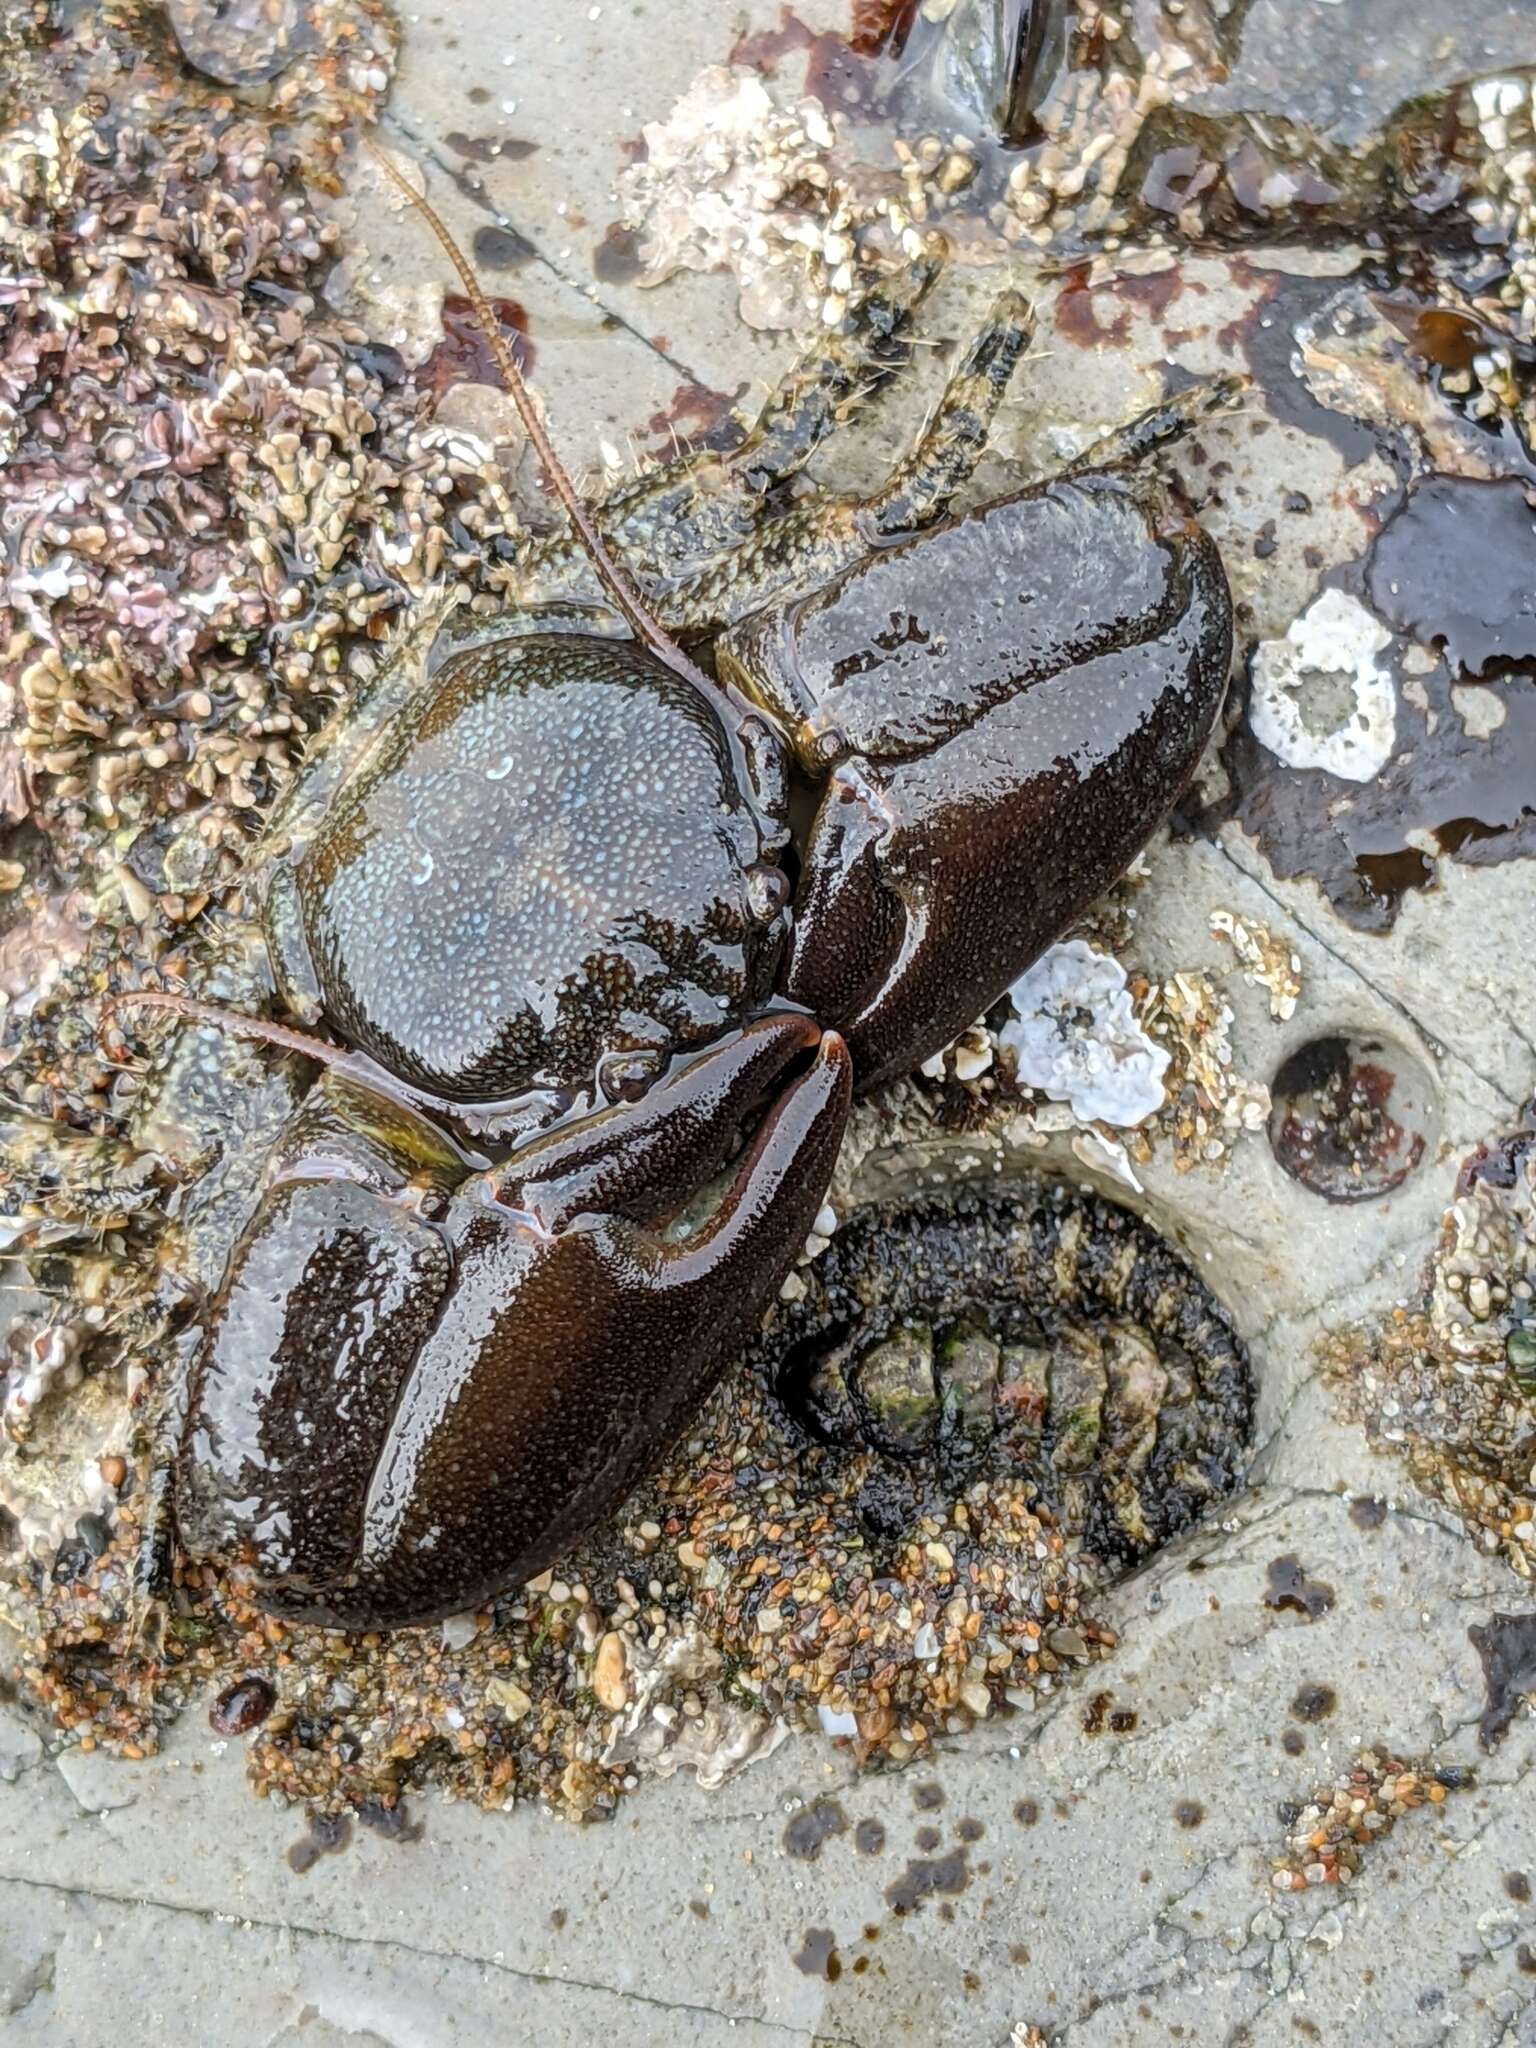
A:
{"x": 582, "y": 1317}
{"x": 994, "y": 754}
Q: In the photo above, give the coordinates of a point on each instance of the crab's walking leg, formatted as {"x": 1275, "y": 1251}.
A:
{"x": 1126, "y": 446}
{"x": 678, "y": 521}
{"x": 833, "y": 380}
{"x": 70, "y": 1176}
{"x": 920, "y": 488}
{"x": 810, "y": 544}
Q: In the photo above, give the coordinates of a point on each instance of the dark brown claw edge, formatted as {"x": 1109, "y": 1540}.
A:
{"x": 1007, "y": 785}
{"x": 544, "y": 1314}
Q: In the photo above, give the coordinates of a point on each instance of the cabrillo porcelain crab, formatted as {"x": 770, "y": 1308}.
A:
{"x": 605, "y": 935}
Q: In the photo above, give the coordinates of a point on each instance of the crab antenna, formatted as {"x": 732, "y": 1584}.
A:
{"x": 235, "y": 1022}
{"x": 621, "y": 586}
{"x": 261, "y": 1029}
{"x": 265, "y": 1031}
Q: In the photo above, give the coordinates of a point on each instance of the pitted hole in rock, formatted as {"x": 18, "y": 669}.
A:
{"x": 1352, "y": 1117}
{"x": 1034, "y": 1334}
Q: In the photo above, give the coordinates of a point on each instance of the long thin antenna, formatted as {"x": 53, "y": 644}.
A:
{"x": 263, "y": 1031}
{"x": 621, "y": 586}
{"x": 235, "y": 1022}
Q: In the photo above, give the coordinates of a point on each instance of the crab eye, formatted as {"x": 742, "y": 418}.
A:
{"x": 767, "y": 891}
{"x": 625, "y": 1076}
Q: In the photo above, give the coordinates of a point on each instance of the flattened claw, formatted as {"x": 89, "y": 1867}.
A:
{"x": 953, "y": 849}
{"x": 564, "y": 1365}
{"x": 559, "y": 1337}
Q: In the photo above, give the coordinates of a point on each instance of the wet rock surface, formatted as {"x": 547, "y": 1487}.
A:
{"x": 1293, "y": 1678}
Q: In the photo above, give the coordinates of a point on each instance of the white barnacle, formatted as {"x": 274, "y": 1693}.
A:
{"x": 1320, "y": 697}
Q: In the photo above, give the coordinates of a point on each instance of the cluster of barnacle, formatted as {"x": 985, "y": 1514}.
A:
{"x": 1268, "y": 962}
{"x": 732, "y": 180}
{"x": 218, "y": 493}
{"x": 782, "y": 197}
{"x": 1117, "y": 1061}
{"x": 931, "y": 170}
{"x": 1482, "y": 1301}
{"x": 1092, "y": 119}
{"x": 1211, "y": 1102}
{"x": 195, "y": 550}
{"x": 1097, "y": 107}
{"x": 1449, "y": 1385}
{"x": 1504, "y": 112}
{"x": 155, "y": 242}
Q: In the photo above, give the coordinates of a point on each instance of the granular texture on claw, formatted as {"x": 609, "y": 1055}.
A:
{"x": 1049, "y": 1338}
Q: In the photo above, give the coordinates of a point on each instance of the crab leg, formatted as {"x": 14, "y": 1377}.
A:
{"x": 920, "y": 488}
{"x": 833, "y": 380}
{"x": 811, "y": 544}
{"x": 1125, "y": 446}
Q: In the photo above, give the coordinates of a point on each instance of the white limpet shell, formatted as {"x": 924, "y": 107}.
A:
{"x": 1075, "y": 1037}
{"x": 1335, "y": 637}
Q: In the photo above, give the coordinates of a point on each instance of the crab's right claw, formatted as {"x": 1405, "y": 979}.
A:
{"x": 982, "y": 811}
{"x": 579, "y": 1325}
{"x": 579, "y": 1340}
